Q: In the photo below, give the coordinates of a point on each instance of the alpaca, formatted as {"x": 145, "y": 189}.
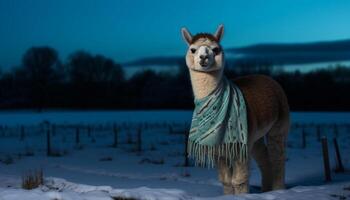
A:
{"x": 267, "y": 114}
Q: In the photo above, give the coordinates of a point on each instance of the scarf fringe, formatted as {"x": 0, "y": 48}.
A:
{"x": 208, "y": 156}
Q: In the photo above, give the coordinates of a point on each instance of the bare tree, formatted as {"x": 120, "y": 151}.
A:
{"x": 86, "y": 68}
{"x": 40, "y": 67}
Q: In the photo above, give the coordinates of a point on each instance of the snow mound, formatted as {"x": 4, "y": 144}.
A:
{"x": 60, "y": 189}
{"x": 60, "y": 184}
{"x": 142, "y": 193}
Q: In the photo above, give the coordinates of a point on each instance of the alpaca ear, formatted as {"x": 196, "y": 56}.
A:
{"x": 219, "y": 32}
{"x": 186, "y": 35}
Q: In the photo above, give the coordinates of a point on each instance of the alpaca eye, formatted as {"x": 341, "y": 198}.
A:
{"x": 216, "y": 50}
{"x": 193, "y": 50}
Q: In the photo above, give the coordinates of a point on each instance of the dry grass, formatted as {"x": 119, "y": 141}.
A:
{"x": 153, "y": 147}
{"x": 108, "y": 158}
{"x": 123, "y": 198}
{"x": 150, "y": 161}
{"x": 32, "y": 179}
{"x": 29, "y": 152}
{"x": 7, "y": 160}
{"x": 186, "y": 174}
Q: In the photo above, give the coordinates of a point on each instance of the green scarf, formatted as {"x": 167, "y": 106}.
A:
{"x": 219, "y": 127}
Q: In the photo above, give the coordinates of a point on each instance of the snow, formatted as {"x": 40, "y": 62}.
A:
{"x": 60, "y": 189}
{"x": 94, "y": 170}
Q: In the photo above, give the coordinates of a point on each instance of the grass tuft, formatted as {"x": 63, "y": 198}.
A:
{"x": 108, "y": 158}
{"x": 32, "y": 179}
{"x": 7, "y": 160}
{"x": 123, "y": 198}
{"x": 155, "y": 162}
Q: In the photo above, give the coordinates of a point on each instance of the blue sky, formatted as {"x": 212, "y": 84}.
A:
{"x": 128, "y": 29}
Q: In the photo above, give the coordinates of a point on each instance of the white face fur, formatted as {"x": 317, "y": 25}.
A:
{"x": 204, "y": 55}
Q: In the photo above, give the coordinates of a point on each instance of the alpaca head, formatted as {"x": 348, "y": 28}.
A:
{"x": 204, "y": 53}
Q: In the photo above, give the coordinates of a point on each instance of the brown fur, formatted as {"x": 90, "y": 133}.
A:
{"x": 266, "y": 104}
{"x": 268, "y": 115}
{"x": 203, "y": 35}
{"x": 268, "y": 120}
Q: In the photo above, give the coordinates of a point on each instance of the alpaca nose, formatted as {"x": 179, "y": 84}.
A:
{"x": 203, "y": 57}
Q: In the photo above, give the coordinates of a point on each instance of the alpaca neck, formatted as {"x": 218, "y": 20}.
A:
{"x": 203, "y": 83}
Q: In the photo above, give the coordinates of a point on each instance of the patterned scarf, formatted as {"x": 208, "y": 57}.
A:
{"x": 219, "y": 127}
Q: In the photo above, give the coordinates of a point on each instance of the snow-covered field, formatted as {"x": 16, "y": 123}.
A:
{"x": 93, "y": 169}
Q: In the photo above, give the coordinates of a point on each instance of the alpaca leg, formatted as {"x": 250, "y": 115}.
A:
{"x": 276, "y": 149}
{"x": 261, "y": 157}
{"x": 225, "y": 176}
{"x": 240, "y": 177}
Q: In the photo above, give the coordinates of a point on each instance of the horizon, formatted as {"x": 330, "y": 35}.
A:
{"x": 113, "y": 28}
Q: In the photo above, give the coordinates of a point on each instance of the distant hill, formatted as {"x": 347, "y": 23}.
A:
{"x": 326, "y": 46}
{"x": 276, "y": 53}
{"x": 294, "y": 53}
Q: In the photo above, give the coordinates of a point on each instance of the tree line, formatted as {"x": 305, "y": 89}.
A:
{"x": 86, "y": 81}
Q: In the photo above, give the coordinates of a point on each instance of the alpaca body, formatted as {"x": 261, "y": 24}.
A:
{"x": 268, "y": 126}
{"x": 267, "y": 114}
{"x": 268, "y": 117}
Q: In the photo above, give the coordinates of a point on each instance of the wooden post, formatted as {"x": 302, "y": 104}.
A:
{"x": 318, "y": 133}
{"x": 303, "y": 138}
{"x": 139, "y": 140}
{"x": 5, "y": 128}
{"x": 340, "y": 167}
{"x": 48, "y": 141}
{"x": 89, "y": 131}
{"x": 22, "y": 134}
{"x": 186, "y": 164}
{"x": 115, "y": 131}
{"x": 170, "y": 129}
{"x": 327, "y": 170}
{"x": 77, "y": 135}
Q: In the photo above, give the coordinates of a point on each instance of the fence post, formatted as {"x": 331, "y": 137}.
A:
{"x": 89, "y": 131}
{"x": 48, "y": 141}
{"x": 186, "y": 164}
{"x": 340, "y": 167}
{"x": 303, "y": 138}
{"x": 318, "y": 133}
{"x": 139, "y": 140}
{"x": 327, "y": 170}
{"x": 22, "y": 135}
{"x": 170, "y": 129}
{"x": 115, "y": 130}
{"x": 77, "y": 136}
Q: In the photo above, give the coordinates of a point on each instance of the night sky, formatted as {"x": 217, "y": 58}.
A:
{"x": 128, "y": 29}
